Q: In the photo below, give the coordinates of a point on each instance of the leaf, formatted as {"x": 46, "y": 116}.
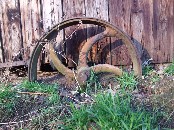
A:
{"x": 125, "y": 126}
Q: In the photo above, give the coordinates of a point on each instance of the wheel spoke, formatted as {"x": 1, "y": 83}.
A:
{"x": 109, "y": 32}
{"x": 58, "y": 64}
{"x": 107, "y": 68}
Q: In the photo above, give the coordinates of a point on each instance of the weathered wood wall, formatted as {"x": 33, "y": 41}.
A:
{"x": 150, "y": 24}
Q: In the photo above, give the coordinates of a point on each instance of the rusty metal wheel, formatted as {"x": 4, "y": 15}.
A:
{"x": 82, "y": 72}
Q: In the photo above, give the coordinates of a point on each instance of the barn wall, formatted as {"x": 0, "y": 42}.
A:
{"x": 149, "y": 23}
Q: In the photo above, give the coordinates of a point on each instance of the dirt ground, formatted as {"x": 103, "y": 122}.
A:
{"x": 155, "y": 89}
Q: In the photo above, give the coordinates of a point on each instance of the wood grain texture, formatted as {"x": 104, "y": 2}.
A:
{"x": 31, "y": 25}
{"x": 11, "y": 30}
{"x": 149, "y": 23}
{"x": 120, "y": 16}
{"x": 137, "y": 27}
{"x": 163, "y": 32}
{"x": 154, "y": 30}
{"x": 100, "y": 50}
{"x": 51, "y": 14}
{"x": 1, "y": 42}
{"x": 74, "y": 8}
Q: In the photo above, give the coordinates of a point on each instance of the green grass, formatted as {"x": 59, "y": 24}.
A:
{"x": 8, "y": 98}
{"x": 13, "y": 102}
{"x": 108, "y": 111}
{"x": 155, "y": 78}
{"x": 38, "y": 87}
{"x": 92, "y": 84}
{"x": 127, "y": 81}
{"x": 48, "y": 118}
{"x": 51, "y": 90}
{"x": 170, "y": 69}
{"x": 147, "y": 70}
{"x": 111, "y": 112}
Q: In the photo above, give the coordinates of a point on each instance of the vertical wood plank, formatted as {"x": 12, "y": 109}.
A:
{"x": 155, "y": 29}
{"x": 31, "y": 24}
{"x": 120, "y": 15}
{"x": 1, "y": 43}
{"x": 98, "y": 9}
{"x": 74, "y": 8}
{"x": 52, "y": 14}
{"x": 146, "y": 38}
{"x": 163, "y": 37}
{"x": 137, "y": 27}
{"x": 11, "y": 30}
{"x": 172, "y": 33}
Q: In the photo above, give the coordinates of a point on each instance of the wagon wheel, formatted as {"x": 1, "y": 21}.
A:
{"x": 83, "y": 69}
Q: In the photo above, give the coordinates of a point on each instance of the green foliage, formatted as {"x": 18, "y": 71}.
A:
{"x": 8, "y": 98}
{"x": 12, "y": 102}
{"x": 155, "y": 78}
{"x": 79, "y": 118}
{"x": 54, "y": 98}
{"x": 38, "y": 87}
{"x": 147, "y": 70}
{"x": 51, "y": 90}
{"x": 49, "y": 118}
{"x": 111, "y": 112}
{"x": 107, "y": 111}
{"x": 170, "y": 69}
{"x": 92, "y": 84}
{"x": 127, "y": 81}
